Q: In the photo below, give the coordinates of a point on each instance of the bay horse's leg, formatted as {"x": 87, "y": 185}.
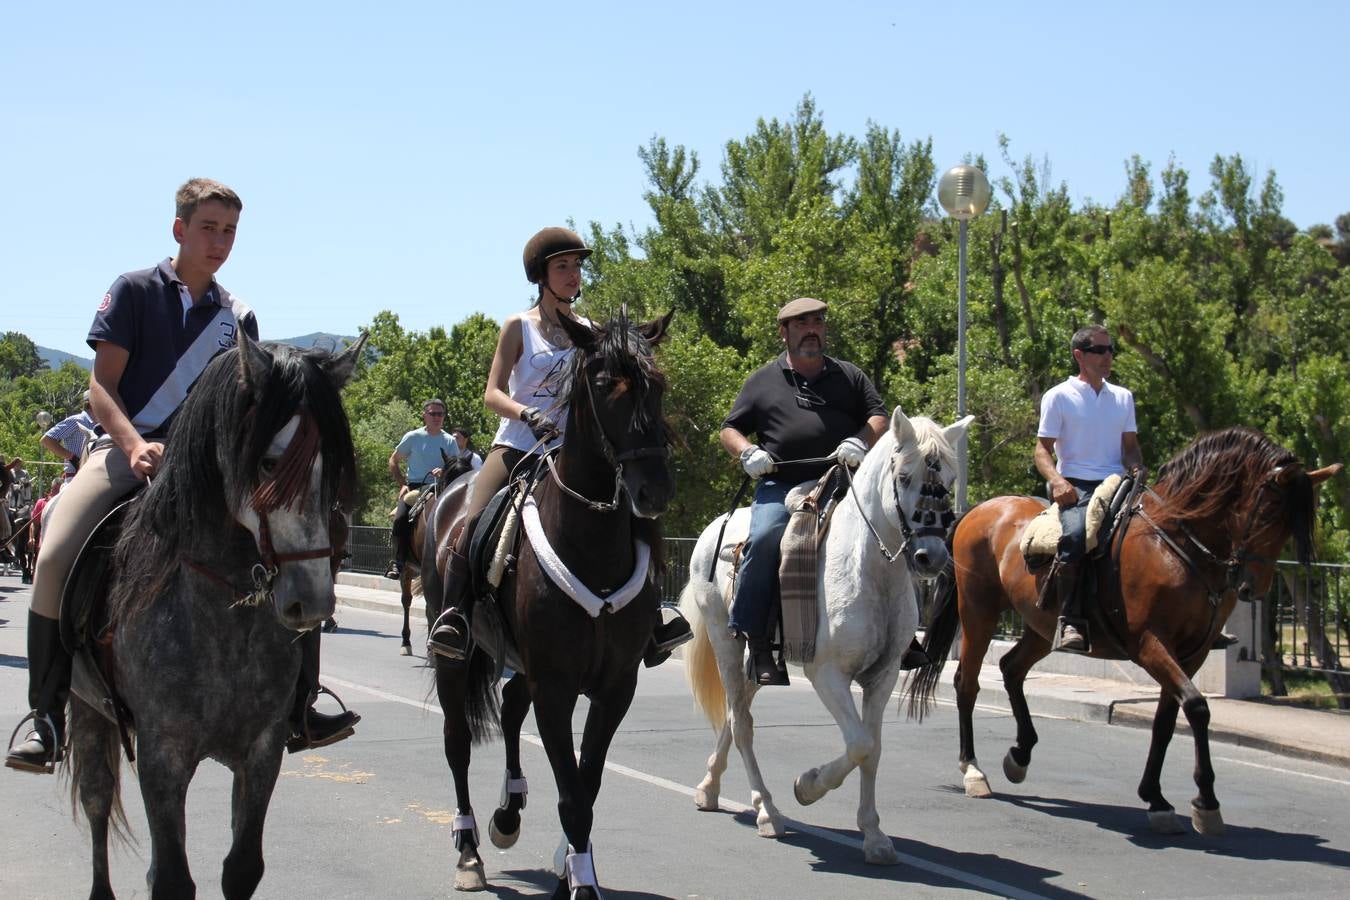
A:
{"x": 505, "y": 826}
{"x": 405, "y": 579}
{"x": 452, "y": 686}
{"x": 96, "y": 761}
{"x": 1177, "y": 690}
{"x": 975, "y": 636}
{"x": 165, "y": 772}
{"x": 708, "y": 793}
{"x": 254, "y": 782}
{"x": 1030, "y": 649}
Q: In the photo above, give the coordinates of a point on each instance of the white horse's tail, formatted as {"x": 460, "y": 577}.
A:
{"x": 700, "y": 662}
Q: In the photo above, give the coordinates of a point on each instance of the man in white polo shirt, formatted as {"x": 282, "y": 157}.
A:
{"x": 1087, "y": 434}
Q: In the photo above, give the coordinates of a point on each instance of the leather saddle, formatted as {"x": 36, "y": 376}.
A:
{"x": 489, "y": 626}
{"x": 85, "y": 630}
{"x": 1099, "y": 598}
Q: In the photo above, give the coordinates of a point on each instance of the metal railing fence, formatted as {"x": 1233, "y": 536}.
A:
{"x": 1304, "y": 625}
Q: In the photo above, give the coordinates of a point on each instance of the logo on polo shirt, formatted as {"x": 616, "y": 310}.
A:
{"x": 227, "y": 335}
{"x": 107, "y": 302}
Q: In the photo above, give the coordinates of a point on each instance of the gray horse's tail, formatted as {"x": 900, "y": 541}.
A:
{"x": 937, "y": 638}
{"x": 95, "y": 770}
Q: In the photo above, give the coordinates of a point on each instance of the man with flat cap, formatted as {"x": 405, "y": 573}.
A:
{"x": 802, "y": 405}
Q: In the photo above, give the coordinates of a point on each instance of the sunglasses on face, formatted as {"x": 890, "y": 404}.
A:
{"x": 1099, "y": 349}
{"x": 439, "y": 413}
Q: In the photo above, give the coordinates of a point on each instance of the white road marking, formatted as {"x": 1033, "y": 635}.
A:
{"x": 985, "y": 884}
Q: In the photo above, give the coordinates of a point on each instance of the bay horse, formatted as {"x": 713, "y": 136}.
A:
{"x": 222, "y": 562}
{"x": 597, "y": 503}
{"x": 1208, "y": 532}
{"x": 867, "y": 615}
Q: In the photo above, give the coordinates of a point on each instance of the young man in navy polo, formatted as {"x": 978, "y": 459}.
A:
{"x": 153, "y": 334}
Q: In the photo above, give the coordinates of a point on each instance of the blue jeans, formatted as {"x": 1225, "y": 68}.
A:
{"x": 757, "y": 581}
{"x": 1073, "y": 523}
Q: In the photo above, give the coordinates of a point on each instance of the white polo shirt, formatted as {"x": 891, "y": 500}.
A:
{"x": 1087, "y": 426}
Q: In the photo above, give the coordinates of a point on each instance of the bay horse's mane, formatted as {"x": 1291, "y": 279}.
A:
{"x": 627, "y": 358}
{"x": 1219, "y": 474}
{"x": 214, "y": 451}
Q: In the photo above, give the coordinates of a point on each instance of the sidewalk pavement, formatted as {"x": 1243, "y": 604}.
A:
{"x": 1319, "y": 735}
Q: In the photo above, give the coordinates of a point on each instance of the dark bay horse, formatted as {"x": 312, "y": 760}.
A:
{"x": 224, "y": 560}
{"x": 597, "y": 502}
{"x": 1208, "y": 532}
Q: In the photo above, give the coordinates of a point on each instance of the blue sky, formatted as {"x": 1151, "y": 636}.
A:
{"x": 398, "y": 155}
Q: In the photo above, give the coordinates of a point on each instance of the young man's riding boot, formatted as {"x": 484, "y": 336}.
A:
{"x": 762, "y": 668}
{"x": 1071, "y": 638}
{"x": 666, "y": 636}
{"x": 399, "y": 539}
{"x": 450, "y": 636}
{"x": 48, "y": 692}
{"x": 310, "y": 728}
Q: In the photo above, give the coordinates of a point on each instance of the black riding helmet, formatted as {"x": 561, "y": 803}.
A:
{"x": 547, "y": 244}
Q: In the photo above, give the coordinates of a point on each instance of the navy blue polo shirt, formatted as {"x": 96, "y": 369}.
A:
{"x": 796, "y": 418}
{"x": 144, "y": 313}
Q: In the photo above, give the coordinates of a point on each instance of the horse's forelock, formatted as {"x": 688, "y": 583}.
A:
{"x": 932, "y": 440}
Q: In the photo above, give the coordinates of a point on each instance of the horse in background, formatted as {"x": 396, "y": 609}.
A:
{"x": 414, "y": 577}
{"x": 596, "y": 505}
{"x": 223, "y": 560}
{"x": 1207, "y": 533}
{"x": 867, "y": 615}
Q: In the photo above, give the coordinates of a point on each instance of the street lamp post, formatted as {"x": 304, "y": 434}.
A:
{"x": 964, "y": 193}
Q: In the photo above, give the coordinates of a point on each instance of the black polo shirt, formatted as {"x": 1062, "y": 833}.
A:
{"x": 795, "y": 418}
{"x": 143, "y": 313}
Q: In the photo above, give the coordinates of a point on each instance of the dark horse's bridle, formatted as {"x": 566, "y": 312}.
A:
{"x": 615, "y": 459}
{"x": 286, "y": 486}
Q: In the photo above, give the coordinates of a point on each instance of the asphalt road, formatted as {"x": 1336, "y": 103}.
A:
{"x": 370, "y": 817}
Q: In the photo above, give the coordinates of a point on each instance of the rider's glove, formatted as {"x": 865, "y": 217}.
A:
{"x": 850, "y": 452}
{"x": 540, "y": 425}
{"x": 756, "y": 461}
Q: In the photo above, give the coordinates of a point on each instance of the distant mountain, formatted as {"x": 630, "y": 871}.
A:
{"x": 55, "y": 359}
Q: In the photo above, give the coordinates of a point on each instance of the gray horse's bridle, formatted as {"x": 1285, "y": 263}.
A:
{"x": 933, "y": 513}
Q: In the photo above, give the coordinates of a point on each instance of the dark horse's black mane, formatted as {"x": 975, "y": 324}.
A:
{"x": 625, "y": 357}
{"x": 1220, "y": 472}
{"x": 215, "y": 450}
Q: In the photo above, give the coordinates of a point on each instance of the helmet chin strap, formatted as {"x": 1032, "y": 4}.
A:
{"x": 567, "y": 300}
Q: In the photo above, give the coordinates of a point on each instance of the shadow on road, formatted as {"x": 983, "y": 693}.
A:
{"x": 13, "y": 662}
{"x": 1237, "y": 841}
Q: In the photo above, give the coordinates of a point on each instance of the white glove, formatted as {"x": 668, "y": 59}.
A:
{"x": 756, "y": 461}
{"x": 850, "y": 452}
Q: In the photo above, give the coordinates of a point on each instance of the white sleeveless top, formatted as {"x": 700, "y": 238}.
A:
{"x": 534, "y": 382}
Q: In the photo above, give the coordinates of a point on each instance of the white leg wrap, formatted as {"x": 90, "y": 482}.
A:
{"x": 462, "y": 824}
{"x": 513, "y": 786}
{"x": 581, "y": 869}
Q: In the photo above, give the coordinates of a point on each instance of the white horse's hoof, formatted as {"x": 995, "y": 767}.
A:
{"x": 405, "y": 650}
{"x": 499, "y": 840}
{"x": 975, "y": 783}
{"x": 706, "y": 800}
{"x": 769, "y": 827}
{"x": 1012, "y": 771}
{"x": 881, "y": 853}
{"x": 470, "y": 878}
{"x": 1164, "y": 821}
{"x": 806, "y": 787}
{"x": 1208, "y": 822}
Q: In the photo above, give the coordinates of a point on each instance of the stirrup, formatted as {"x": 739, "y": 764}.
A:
{"x": 1080, "y": 626}
{"x": 444, "y": 624}
{"x": 55, "y": 752}
{"x": 304, "y": 741}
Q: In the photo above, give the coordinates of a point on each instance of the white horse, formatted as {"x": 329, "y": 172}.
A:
{"x": 867, "y": 616}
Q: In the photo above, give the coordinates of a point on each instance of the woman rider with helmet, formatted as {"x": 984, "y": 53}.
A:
{"x": 531, "y": 348}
